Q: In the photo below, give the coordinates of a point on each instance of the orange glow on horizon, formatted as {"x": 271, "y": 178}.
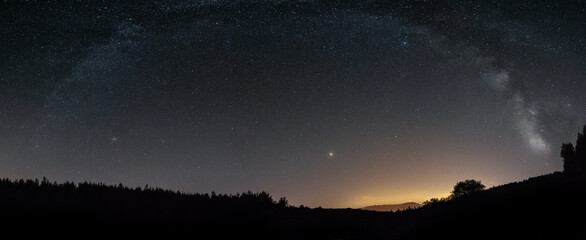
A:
{"x": 369, "y": 200}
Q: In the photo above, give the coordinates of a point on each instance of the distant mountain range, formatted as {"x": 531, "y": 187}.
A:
{"x": 392, "y": 207}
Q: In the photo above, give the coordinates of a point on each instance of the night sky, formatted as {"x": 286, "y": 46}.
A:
{"x": 328, "y": 103}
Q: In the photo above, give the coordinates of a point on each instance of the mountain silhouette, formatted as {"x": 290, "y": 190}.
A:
{"x": 392, "y": 207}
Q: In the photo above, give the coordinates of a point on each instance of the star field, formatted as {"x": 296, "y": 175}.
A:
{"x": 338, "y": 104}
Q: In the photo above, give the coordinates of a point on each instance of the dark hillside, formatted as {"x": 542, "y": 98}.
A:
{"x": 549, "y": 206}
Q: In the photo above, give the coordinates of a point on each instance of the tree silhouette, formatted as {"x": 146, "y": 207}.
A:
{"x": 575, "y": 157}
{"x": 433, "y": 201}
{"x": 568, "y": 154}
{"x": 460, "y": 189}
{"x": 283, "y": 202}
{"x": 466, "y": 187}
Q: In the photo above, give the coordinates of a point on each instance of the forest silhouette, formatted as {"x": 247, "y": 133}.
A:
{"x": 548, "y": 206}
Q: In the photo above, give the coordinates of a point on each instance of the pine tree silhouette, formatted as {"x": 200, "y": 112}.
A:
{"x": 575, "y": 157}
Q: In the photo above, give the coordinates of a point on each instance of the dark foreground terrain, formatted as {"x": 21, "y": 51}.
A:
{"x": 547, "y": 207}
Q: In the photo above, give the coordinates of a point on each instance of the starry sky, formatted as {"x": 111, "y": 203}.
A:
{"x": 328, "y": 103}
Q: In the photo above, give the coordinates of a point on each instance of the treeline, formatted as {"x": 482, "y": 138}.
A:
{"x": 258, "y": 215}
{"x": 100, "y": 202}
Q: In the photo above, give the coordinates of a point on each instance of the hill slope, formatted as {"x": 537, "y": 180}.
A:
{"x": 549, "y": 206}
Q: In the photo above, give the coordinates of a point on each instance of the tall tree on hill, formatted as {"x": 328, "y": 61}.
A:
{"x": 575, "y": 157}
